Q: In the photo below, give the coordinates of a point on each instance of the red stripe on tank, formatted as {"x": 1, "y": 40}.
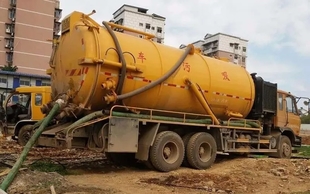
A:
{"x": 72, "y": 72}
{"x": 129, "y": 77}
{"x": 86, "y": 70}
{"x": 248, "y": 99}
{"x": 228, "y": 95}
{"x": 80, "y": 72}
{"x": 82, "y": 41}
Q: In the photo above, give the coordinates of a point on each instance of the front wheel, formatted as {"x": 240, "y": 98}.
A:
{"x": 25, "y": 134}
{"x": 285, "y": 147}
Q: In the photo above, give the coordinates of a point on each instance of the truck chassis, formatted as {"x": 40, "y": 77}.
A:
{"x": 165, "y": 140}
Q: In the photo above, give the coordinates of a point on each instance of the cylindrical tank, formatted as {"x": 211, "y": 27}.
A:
{"x": 80, "y": 66}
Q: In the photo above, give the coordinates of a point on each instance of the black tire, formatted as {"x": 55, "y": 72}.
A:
{"x": 25, "y": 134}
{"x": 197, "y": 142}
{"x": 165, "y": 142}
{"x": 186, "y": 138}
{"x": 285, "y": 148}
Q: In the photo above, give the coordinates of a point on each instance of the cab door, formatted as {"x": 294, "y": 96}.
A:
{"x": 36, "y": 104}
{"x": 287, "y": 114}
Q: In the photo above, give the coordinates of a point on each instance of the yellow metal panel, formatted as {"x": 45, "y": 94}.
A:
{"x": 80, "y": 70}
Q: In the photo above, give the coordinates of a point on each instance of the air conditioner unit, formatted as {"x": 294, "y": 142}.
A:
{"x": 8, "y": 30}
{"x": 7, "y": 46}
{"x": 11, "y": 49}
{"x": 13, "y": 19}
{"x": 12, "y": 34}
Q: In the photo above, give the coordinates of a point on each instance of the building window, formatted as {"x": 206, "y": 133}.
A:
{"x": 57, "y": 27}
{"x": 141, "y": 24}
{"x": 3, "y": 80}
{"x": 9, "y": 42}
{"x": 12, "y": 13}
{"x": 236, "y": 47}
{"x": 9, "y": 56}
{"x": 38, "y": 101}
{"x": 153, "y": 28}
{"x": 24, "y": 83}
{"x": 13, "y": 2}
{"x": 159, "y": 29}
{"x": 236, "y": 56}
{"x": 57, "y": 13}
{"x": 147, "y": 26}
{"x": 244, "y": 49}
{"x": 243, "y": 59}
{"x": 8, "y": 28}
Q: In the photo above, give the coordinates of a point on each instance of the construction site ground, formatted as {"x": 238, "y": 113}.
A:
{"x": 81, "y": 171}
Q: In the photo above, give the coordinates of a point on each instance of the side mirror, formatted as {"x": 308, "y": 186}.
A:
{"x": 306, "y": 103}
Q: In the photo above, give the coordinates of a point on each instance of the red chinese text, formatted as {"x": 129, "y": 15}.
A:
{"x": 141, "y": 57}
{"x": 225, "y": 76}
{"x": 186, "y": 67}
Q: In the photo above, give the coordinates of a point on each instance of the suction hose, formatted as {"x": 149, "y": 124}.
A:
{"x": 10, "y": 177}
{"x": 188, "y": 50}
{"x": 119, "y": 51}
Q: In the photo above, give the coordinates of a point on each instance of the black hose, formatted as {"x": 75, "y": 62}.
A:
{"x": 121, "y": 81}
{"x": 160, "y": 80}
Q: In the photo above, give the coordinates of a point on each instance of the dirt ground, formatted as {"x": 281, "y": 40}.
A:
{"x": 90, "y": 173}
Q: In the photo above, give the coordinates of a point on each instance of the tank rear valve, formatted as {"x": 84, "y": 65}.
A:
{"x": 109, "y": 84}
{"x": 109, "y": 98}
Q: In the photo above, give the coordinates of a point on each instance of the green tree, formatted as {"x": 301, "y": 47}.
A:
{"x": 9, "y": 67}
{"x": 305, "y": 119}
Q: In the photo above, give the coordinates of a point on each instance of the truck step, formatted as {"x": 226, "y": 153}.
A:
{"x": 262, "y": 141}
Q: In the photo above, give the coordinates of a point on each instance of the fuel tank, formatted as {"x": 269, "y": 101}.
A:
{"x": 85, "y": 57}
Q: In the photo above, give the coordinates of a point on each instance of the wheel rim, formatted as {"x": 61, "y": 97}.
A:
{"x": 205, "y": 152}
{"x": 170, "y": 152}
{"x": 286, "y": 150}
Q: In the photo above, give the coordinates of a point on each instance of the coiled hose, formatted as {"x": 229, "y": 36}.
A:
{"x": 160, "y": 80}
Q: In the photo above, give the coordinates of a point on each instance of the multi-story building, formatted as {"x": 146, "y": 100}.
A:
{"x": 138, "y": 18}
{"x": 26, "y": 30}
{"x": 224, "y": 46}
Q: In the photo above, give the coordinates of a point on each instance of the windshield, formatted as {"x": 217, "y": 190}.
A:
{"x": 19, "y": 99}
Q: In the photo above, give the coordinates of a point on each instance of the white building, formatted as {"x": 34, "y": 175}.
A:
{"x": 224, "y": 46}
{"x": 11, "y": 80}
{"x": 138, "y": 18}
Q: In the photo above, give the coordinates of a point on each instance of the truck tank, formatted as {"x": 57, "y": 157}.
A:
{"x": 85, "y": 58}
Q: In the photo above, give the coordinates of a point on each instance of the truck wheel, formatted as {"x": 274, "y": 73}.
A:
{"x": 24, "y": 134}
{"x": 285, "y": 147}
{"x": 167, "y": 152}
{"x": 186, "y": 138}
{"x": 201, "y": 150}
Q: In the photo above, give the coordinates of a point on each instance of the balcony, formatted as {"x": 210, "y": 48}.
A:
{"x": 56, "y": 27}
{"x": 57, "y": 14}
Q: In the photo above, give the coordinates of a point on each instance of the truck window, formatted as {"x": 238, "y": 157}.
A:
{"x": 38, "y": 99}
{"x": 280, "y": 101}
{"x": 289, "y": 104}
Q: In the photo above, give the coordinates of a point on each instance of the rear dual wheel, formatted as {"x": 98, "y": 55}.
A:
{"x": 201, "y": 150}
{"x": 167, "y": 152}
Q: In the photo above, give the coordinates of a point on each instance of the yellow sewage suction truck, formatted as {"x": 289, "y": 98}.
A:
{"x": 132, "y": 98}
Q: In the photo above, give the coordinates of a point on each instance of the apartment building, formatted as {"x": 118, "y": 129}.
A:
{"x": 224, "y": 46}
{"x": 26, "y": 30}
{"x": 138, "y": 18}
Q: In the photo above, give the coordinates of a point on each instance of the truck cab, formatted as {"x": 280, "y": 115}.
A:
{"x": 21, "y": 108}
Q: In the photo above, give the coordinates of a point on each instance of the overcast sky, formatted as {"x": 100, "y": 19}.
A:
{"x": 278, "y": 30}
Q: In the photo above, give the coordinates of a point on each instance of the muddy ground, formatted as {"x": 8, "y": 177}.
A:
{"x": 81, "y": 171}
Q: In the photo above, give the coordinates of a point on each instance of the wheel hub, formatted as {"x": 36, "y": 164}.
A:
{"x": 170, "y": 152}
{"x": 286, "y": 149}
{"x": 205, "y": 152}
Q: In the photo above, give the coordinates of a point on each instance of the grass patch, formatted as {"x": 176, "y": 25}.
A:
{"x": 303, "y": 151}
{"x": 48, "y": 166}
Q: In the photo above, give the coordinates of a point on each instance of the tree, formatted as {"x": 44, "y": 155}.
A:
{"x": 9, "y": 67}
{"x": 305, "y": 119}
